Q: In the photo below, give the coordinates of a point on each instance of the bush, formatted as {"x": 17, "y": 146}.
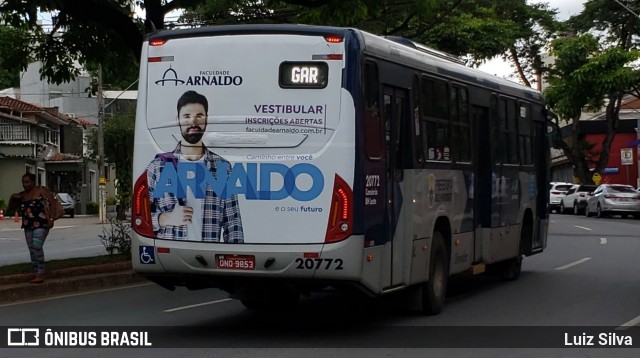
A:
{"x": 3, "y": 204}
{"x": 117, "y": 238}
{"x": 92, "y": 208}
{"x": 111, "y": 201}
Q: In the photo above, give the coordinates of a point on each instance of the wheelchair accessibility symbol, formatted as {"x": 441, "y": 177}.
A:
{"x": 147, "y": 255}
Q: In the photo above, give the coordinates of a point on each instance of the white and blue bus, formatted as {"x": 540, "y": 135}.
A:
{"x": 276, "y": 160}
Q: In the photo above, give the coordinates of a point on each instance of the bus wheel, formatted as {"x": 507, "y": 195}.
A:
{"x": 512, "y": 268}
{"x": 434, "y": 291}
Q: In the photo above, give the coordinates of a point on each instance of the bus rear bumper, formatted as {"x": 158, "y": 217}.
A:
{"x": 198, "y": 265}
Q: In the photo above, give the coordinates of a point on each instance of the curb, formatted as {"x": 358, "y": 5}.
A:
{"x": 71, "y": 280}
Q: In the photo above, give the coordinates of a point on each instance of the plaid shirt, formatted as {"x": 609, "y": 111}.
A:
{"x": 218, "y": 214}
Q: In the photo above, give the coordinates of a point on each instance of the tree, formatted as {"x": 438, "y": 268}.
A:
{"x": 594, "y": 73}
{"x": 481, "y": 28}
{"x": 118, "y": 148}
{"x": 538, "y": 27}
{"x": 585, "y": 77}
{"x": 9, "y": 75}
{"x": 99, "y": 31}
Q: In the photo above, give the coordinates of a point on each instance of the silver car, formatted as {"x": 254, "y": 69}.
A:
{"x": 610, "y": 199}
{"x": 68, "y": 203}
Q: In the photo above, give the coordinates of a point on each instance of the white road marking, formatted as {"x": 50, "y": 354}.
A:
{"x": 603, "y": 241}
{"x": 582, "y": 227}
{"x": 627, "y": 325}
{"x": 64, "y": 227}
{"x": 10, "y": 238}
{"x": 197, "y": 305}
{"x": 573, "y": 263}
{"x": 85, "y": 247}
{"x": 124, "y": 287}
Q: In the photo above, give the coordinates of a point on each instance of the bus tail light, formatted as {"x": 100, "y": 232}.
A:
{"x": 157, "y": 42}
{"x": 335, "y": 39}
{"x": 141, "y": 213}
{"x": 340, "y": 223}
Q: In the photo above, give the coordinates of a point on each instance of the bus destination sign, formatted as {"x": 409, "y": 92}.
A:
{"x": 304, "y": 74}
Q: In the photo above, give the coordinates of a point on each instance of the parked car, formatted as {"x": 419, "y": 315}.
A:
{"x": 576, "y": 199}
{"x": 68, "y": 203}
{"x": 556, "y": 191}
{"x": 610, "y": 199}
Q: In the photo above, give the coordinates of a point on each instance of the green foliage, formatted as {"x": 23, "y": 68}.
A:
{"x": 111, "y": 200}
{"x": 92, "y": 208}
{"x": 106, "y": 31}
{"x": 3, "y": 204}
{"x": 118, "y": 141}
{"x": 479, "y": 29}
{"x": 585, "y": 76}
{"x": 615, "y": 24}
{"x": 116, "y": 238}
{"x": 13, "y": 58}
{"x": 85, "y": 32}
{"x": 118, "y": 148}
{"x": 588, "y": 75}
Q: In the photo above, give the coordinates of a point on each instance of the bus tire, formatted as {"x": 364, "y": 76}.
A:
{"x": 511, "y": 268}
{"x": 434, "y": 291}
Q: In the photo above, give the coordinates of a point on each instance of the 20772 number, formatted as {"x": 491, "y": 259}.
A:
{"x": 327, "y": 264}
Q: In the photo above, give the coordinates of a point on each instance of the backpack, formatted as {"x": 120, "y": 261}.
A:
{"x": 56, "y": 211}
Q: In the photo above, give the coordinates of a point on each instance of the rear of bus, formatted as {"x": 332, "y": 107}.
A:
{"x": 280, "y": 127}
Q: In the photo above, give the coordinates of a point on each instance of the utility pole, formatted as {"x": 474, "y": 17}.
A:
{"x": 102, "y": 200}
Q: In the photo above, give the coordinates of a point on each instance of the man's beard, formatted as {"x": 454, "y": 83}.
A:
{"x": 193, "y": 137}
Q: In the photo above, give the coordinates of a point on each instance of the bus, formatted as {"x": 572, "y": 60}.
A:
{"x": 274, "y": 161}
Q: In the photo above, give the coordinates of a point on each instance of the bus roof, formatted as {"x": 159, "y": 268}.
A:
{"x": 406, "y": 52}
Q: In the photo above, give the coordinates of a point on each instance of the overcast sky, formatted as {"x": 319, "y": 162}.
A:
{"x": 565, "y": 8}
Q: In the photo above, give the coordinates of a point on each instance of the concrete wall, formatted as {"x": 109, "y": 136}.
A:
{"x": 34, "y": 90}
{"x": 11, "y": 177}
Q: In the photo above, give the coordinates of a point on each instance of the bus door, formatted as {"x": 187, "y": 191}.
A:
{"x": 395, "y": 120}
{"x": 541, "y": 145}
{"x": 483, "y": 162}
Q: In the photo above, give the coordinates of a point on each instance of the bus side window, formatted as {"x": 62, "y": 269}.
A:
{"x": 435, "y": 101}
{"x": 525, "y": 130}
{"x": 417, "y": 123}
{"x": 373, "y": 144}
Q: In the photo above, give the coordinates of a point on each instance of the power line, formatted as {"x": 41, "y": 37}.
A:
{"x": 627, "y": 8}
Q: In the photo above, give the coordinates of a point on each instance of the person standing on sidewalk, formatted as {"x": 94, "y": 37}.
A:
{"x": 33, "y": 204}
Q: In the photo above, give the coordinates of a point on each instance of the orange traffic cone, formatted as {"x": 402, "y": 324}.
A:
{"x": 15, "y": 217}
{"x": 1, "y": 214}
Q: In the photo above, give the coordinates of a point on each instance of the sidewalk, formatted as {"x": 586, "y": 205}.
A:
{"x": 65, "y": 281}
{"x": 14, "y": 288}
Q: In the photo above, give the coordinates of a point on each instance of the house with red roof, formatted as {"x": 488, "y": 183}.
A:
{"x": 44, "y": 142}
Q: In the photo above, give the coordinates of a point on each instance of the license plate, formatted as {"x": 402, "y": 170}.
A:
{"x": 236, "y": 262}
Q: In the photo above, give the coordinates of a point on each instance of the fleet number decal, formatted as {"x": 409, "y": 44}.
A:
{"x": 310, "y": 264}
{"x": 372, "y": 180}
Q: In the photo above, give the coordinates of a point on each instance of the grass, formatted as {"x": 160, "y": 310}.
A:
{"x": 62, "y": 264}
